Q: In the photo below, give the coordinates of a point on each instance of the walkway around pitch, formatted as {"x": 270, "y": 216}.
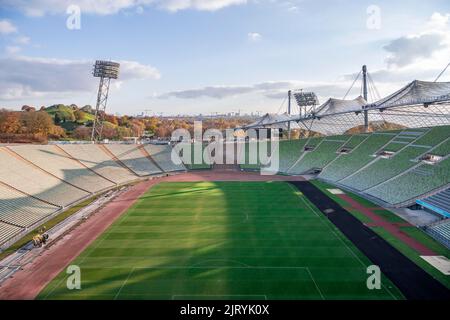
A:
{"x": 413, "y": 281}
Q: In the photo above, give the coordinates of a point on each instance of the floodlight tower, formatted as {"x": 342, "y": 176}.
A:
{"x": 105, "y": 70}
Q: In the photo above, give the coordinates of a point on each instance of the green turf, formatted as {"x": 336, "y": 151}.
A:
{"x": 221, "y": 240}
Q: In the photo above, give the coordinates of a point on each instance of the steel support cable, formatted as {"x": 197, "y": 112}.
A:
{"x": 281, "y": 106}
{"x": 354, "y": 81}
{"x": 374, "y": 86}
{"x": 442, "y": 72}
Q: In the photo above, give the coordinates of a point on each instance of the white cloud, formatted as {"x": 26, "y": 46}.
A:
{"x": 406, "y": 50}
{"x": 23, "y": 77}
{"x": 139, "y": 10}
{"x": 12, "y": 50}
{"x": 217, "y": 92}
{"x": 107, "y": 7}
{"x": 135, "y": 70}
{"x": 254, "y": 36}
{"x": 425, "y": 50}
{"x": 268, "y": 89}
{"x": 6, "y": 27}
{"x": 204, "y": 5}
{"x": 438, "y": 21}
{"x": 22, "y": 40}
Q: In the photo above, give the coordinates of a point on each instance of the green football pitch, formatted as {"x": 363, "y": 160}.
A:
{"x": 221, "y": 240}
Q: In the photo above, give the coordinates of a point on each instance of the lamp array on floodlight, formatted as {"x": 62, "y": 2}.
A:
{"x": 305, "y": 99}
{"x": 106, "y": 69}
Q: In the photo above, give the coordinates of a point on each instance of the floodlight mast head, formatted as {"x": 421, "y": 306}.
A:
{"x": 105, "y": 70}
{"x": 306, "y": 101}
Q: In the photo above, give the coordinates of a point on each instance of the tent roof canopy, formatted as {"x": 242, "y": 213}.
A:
{"x": 418, "y": 104}
{"x": 333, "y": 105}
{"x": 417, "y": 92}
{"x": 274, "y": 121}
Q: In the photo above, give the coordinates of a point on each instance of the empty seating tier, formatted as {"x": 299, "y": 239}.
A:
{"x": 440, "y": 232}
{"x": 254, "y": 154}
{"x": 383, "y": 169}
{"x": 8, "y": 231}
{"x": 21, "y": 210}
{"x": 347, "y": 164}
{"x": 290, "y": 152}
{"x": 162, "y": 155}
{"x": 413, "y": 183}
{"x": 324, "y": 153}
{"x": 197, "y": 159}
{"x": 133, "y": 158}
{"x": 58, "y": 163}
{"x": 27, "y": 178}
{"x": 96, "y": 159}
{"x": 355, "y": 140}
{"x": 435, "y": 136}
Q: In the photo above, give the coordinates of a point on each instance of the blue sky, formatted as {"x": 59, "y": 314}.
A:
{"x": 204, "y": 56}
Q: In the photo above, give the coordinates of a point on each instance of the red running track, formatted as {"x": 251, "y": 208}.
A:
{"x": 392, "y": 228}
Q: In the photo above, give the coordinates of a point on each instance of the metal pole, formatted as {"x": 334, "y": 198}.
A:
{"x": 99, "y": 99}
{"x": 104, "y": 102}
{"x": 366, "y": 114}
{"x": 289, "y": 114}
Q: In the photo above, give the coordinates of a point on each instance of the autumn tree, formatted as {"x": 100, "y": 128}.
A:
{"x": 123, "y": 121}
{"x": 151, "y": 124}
{"x": 37, "y": 122}
{"x": 79, "y": 115}
{"x": 82, "y": 133}
{"x": 109, "y": 132}
{"x": 137, "y": 128}
{"x": 9, "y": 122}
{"x": 28, "y": 108}
{"x": 57, "y": 132}
{"x": 112, "y": 119}
{"x": 87, "y": 108}
{"x": 122, "y": 132}
{"x": 57, "y": 118}
{"x": 163, "y": 131}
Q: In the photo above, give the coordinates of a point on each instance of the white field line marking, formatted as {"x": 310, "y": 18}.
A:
{"x": 317, "y": 287}
{"x": 331, "y": 228}
{"x": 123, "y": 284}
{"x": 352, "y": 252}
{"x": 105, "y": 235}
{"x": 301, "y": 195}
{"x": 223, "y": 260}
{"x": 348, "y": 248}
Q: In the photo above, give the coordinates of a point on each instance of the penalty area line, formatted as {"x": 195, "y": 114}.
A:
{"x": 123, "y": 284}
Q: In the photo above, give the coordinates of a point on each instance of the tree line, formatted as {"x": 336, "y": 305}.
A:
{"x": 69, "y": 122}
